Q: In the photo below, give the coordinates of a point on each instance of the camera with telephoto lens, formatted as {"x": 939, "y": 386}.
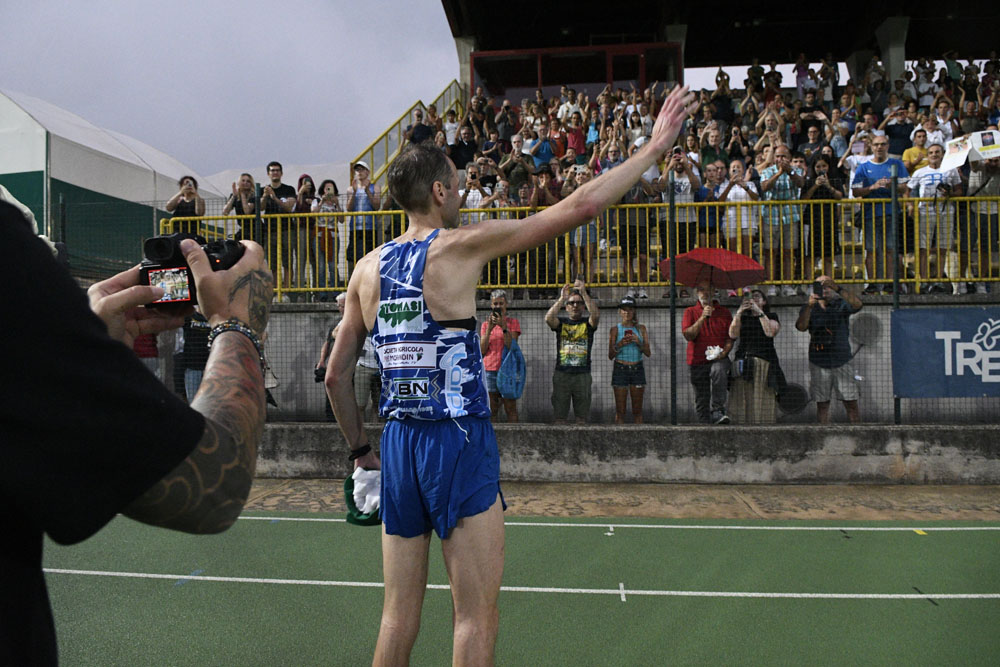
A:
{"x": 163, "y": 265}
{"x": 943, "y": 189}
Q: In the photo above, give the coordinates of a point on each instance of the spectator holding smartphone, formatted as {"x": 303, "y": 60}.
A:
{"x": 325, "y": 249}
{"x": 571, "y": 381}
{"x": 753, "y": 396}
{"x": 627, "y": 343}
{"x": 187, "y": 203}
{"x": 495, "y": 336}
{"x": 741, "y": 221}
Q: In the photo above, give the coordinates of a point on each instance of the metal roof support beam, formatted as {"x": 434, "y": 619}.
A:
{"x": 677, "y": 33}
{"x": 465, "y": 46}
{"x": 891, "y": 36}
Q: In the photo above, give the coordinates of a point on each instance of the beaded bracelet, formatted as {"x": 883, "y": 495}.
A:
{"x": 233, "y": 324}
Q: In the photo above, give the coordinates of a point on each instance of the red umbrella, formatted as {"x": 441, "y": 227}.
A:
{"x": 715, "y": 266}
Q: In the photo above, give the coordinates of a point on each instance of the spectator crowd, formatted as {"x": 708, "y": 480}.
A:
{"x": 758, "y": 142}
{"x": 786, "y": 173}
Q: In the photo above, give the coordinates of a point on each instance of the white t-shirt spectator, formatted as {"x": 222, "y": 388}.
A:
{"x": 852, "y": 163}
{"x": 926, "y": 90}
{"x": 566, "y": 110}
{"x": 683, "y": 194}
{"x": 935, "y": 137}
{"x": 740, "y": 217}
{"x": 945, "y": 128}
{"x": 474, "y": 200}
{"x": 450, "y": 132}
{"x": 984, "y": 184}
{"x": 925, "y": 182}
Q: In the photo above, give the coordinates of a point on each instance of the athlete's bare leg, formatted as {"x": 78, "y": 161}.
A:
{"x": 404, "y": 566}
{"x": 473, "y": 556}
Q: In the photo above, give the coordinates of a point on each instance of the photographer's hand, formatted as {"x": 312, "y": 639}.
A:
{"x": 118, "y": 302}
{"x": 243, "y": 291}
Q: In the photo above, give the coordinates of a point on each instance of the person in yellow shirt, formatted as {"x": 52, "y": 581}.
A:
{"x": 915, "y": 156}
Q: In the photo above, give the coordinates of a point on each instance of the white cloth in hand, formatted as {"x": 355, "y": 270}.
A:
{"x": 367, "y": 485}
{"x": 713, "y": 352}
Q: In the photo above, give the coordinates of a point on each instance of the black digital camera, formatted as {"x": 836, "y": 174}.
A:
{"x": 163, "y": 265}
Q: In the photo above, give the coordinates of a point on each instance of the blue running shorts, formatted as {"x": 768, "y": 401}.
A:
{"x": 436, "y": 472}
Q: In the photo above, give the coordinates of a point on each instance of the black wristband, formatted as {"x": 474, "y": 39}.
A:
{"x": 359, "y": 452}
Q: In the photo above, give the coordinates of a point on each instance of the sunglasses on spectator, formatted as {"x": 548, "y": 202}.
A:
{"x": 574, "y": 303}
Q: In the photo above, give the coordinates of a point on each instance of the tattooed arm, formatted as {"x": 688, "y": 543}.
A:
{"x": 206, "y": 492}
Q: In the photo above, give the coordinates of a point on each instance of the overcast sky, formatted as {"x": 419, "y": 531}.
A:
{"x": 222, "y": 84}
{"x": 227, "y": 84}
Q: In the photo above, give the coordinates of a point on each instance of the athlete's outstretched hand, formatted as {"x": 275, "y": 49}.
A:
{"x": 678, "y": 105}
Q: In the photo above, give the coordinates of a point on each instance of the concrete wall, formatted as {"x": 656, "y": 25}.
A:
{"x": 296, "y": 334}
{"x": 721, "y": 454}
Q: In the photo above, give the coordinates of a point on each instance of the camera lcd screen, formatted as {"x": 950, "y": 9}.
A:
{"x": 174, "y": 282}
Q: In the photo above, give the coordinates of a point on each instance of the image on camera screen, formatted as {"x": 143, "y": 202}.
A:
{"x": 174, "y": 282}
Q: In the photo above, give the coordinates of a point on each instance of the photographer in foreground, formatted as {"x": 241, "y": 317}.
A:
{"x": 89, "y": 432}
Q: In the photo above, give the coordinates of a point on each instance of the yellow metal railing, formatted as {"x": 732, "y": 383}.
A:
{"x": 314, "y": 253}
{"x": 381, "y": 152}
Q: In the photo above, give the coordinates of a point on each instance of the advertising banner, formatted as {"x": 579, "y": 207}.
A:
{"x": 946, "y": 352}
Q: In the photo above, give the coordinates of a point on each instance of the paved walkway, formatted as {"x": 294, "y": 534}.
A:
{"x": 684, "y": 501}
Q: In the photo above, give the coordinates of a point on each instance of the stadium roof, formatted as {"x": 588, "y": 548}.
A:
{"x": 726, "y": 33}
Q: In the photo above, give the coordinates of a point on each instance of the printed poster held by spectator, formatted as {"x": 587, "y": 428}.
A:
{"x": 977, "y": 146}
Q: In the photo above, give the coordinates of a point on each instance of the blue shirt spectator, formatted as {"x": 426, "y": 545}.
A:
{"x": 873, "y": 180}
{"x": 708, "y": 216}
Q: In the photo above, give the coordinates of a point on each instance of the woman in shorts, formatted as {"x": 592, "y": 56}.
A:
{"x": 627, "y": 342}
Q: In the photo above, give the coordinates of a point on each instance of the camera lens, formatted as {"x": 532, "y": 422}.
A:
{"x": 158, "y": 249}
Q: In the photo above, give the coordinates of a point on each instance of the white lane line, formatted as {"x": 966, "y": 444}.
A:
{"x": 611, "y": 527}
{"x": 621, "y": 591}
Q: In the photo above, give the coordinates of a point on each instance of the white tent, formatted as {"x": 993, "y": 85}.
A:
{"x": 46, "y": 151}
{"x": 338, "y": 171}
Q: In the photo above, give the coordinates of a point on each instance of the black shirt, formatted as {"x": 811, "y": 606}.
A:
{"x": 753, "y": 341}
{"x": 574, "y": 340}
{"x": 283, "y": 191}
{"x": 899, "y": 137}
{"x": 830, "y": 333}
{"x": 84, "y": 431}
{"x": 463, "y": 153}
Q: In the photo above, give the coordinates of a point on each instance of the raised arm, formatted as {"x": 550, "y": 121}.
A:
{"x": 487, "y": 242}
{"x": 552, "y": 314}
{"x": 591, "y": 305}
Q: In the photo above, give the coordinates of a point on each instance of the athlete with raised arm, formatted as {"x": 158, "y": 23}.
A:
{"x": 440, "y": 463}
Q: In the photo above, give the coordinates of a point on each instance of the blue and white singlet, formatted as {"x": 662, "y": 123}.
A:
{"x": 428, "y": 372}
